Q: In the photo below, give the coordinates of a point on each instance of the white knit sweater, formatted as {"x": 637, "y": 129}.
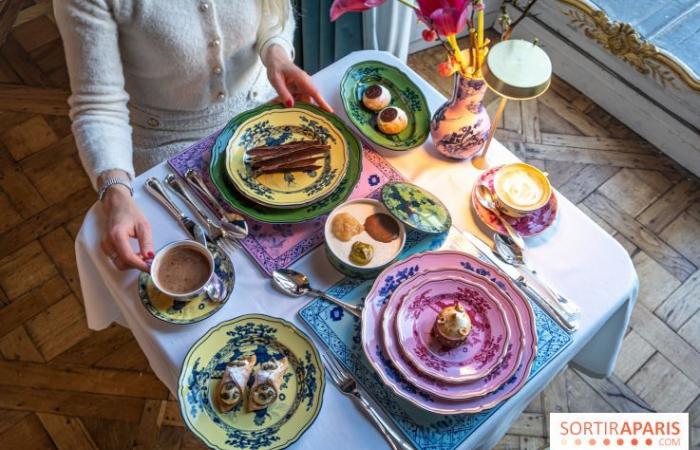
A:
{"x": 168, "y": 72}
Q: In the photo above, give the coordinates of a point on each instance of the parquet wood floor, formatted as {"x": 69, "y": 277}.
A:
{"x": 64, "y": 386}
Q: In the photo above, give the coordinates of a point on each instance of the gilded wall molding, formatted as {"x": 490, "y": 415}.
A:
{"x": 623, "y": 41}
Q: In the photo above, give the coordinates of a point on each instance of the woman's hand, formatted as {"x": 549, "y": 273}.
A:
{"x": 289, "y": 80}
{"x": 124, "y": 222}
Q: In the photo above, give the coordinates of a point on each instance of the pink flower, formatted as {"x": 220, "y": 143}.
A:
{"x": 447, "y": 17}
{"x": 340, "y": 7}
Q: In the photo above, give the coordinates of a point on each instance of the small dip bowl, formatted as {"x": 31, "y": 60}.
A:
{"x": 338, "y": 251}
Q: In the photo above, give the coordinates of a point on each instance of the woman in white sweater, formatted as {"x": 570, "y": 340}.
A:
{"x": 149, "y": 77}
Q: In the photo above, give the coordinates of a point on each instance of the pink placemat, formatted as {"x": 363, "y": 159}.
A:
{"x": 276, "y": 246}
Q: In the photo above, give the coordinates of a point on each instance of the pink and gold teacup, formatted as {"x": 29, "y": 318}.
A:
{"x": 520, "y": 189}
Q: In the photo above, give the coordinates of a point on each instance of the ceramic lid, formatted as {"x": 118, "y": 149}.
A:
{"x": 416, "y": 207}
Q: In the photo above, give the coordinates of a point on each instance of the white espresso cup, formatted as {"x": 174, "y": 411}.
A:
{"x": 184, "y": 270}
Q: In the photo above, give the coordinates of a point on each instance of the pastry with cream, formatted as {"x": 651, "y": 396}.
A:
{"x": 452, "y": 326}
{"x": 392, "y": 120}
{"x": 376, "y": 97}
{"x": 233, "y": 384}
{"x": 267, "y": 381}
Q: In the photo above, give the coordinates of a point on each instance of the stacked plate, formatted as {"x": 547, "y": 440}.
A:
{"x": 399, "y": 338}
{"x": 293, "y": 195}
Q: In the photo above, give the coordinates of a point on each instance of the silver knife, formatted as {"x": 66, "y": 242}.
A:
{"x": 481, "y": 250}
{"x": 157, "y": 190}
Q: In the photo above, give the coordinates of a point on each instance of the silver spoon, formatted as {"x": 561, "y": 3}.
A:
{"x": 509, "y": 252}
{"x": 485, "y": 198}
{"x": 297, "y": 284}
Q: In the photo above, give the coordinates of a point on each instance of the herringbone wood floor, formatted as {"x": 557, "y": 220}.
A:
{"x": 64, "y": 386}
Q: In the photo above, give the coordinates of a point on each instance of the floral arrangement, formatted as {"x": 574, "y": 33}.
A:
{"x": 444, "y": 20}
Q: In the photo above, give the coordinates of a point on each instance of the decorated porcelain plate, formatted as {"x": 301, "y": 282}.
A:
{"x": 416, "y": 207}
{"x": 485, "y": 345}
{"x": 219, "y": 173}
{"x": 404, "y": 94}
{"x": 506, "y": 362}
{"x": 371, "y": 334}
{"x": 274, "y": 427}
{"x": 167, "y": 309}
{"x": 289, "y": 189}
{"x": 529, "y": 225}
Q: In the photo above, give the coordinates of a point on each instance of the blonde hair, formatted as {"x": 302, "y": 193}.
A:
{"x": 274, "y": 17}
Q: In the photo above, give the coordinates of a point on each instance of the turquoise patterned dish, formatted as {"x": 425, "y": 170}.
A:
{"x": 272, "y": 428}
{"x": 416, "y": 207}
{"x": 404, "y": 94}
{"x": 169, "y": 310}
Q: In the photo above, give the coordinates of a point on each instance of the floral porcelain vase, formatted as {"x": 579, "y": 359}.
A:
{"x": 460, "y": 127}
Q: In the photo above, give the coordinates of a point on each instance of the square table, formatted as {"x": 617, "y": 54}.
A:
{"x": 577, "y": 256}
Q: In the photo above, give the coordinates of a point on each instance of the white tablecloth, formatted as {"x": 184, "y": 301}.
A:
{"x": 576, "y": 255}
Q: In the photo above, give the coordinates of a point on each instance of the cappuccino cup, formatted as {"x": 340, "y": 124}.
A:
{"x": 184, "y": 270}
{"x": 521, "y": 189}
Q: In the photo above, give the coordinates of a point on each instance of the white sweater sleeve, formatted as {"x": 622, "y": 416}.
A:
{"x": 98, "y": 104}
{"x": 272, "y": 33}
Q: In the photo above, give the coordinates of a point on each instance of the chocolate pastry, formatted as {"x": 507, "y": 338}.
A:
{"x": 267, "y": 381}
{"x": 392, "y": 120}
{"x": 382, "y": 227}
{"x": 376, "y": 97}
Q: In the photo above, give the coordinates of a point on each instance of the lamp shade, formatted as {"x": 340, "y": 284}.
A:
{"x": 517, "y": 69}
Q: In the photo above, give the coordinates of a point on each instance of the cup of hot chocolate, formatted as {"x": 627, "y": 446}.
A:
{"x": 184, "y": 270}
{"x": 521, "y": 189}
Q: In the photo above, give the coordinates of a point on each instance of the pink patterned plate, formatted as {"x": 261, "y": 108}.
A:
{"x": 396, "y": 352}
{"x": 486, "y": 343}
{"x": 530, "y": 225}
{"x": 522, "y": 347}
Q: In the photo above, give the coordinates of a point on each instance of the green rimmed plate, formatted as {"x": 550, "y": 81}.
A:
{"x": 219, "y": 176}
{"x": 167, "y": 309}
{"x": 275, "y": 427}
{"x": 416, "y": 207}
{"x": 404, "y": 94}
{"x": 286, "y": 189}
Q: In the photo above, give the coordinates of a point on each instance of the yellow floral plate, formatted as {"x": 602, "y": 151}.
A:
{"x": 275, "y": 427}
{"x": 286, "y": 189}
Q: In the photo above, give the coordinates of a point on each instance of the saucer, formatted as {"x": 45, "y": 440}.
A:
{"x": 167, "y": 309}
{"x": 528, "y": 225}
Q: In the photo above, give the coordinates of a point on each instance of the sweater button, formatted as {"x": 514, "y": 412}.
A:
{"x": 215, "y": 42}
{"x": 204, "y": 7}
{"x": 218, "y": 70}
{"x": 221, "y": 96}
{"x": 153, "y": 122}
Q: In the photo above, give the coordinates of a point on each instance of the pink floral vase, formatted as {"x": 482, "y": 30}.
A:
{"x": 460, "y": 127}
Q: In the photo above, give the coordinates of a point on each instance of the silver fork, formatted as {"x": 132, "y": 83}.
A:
{"x": 348, "y": 386}
{"x": 218, "y": 234}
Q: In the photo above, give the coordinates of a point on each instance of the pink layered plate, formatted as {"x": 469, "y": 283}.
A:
{"x": 486, "y": 344}
{"x": 397, "y": 274}
{"x": 396, "y": 352}
{"x": 529, "y": 225}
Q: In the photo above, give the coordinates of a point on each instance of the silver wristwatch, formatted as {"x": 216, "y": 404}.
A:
{"x": 111, "y": 181}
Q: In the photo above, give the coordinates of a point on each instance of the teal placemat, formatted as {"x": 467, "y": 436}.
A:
{"x": 341, "y": 333}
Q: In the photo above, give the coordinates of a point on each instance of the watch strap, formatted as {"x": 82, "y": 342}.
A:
{"x": 112, "y": 181}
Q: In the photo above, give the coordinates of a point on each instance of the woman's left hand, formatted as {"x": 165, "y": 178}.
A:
{"x": 290, "y": 81}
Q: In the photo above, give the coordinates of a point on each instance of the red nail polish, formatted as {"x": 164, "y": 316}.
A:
{"x": 151, "y": 254}
{"x": 289, "y": 103}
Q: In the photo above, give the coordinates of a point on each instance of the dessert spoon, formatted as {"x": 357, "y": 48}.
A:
{"x": 485, "y": 199}
{"x": 297, "y": 284}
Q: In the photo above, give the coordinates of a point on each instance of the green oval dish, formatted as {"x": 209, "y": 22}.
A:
{"x": 273, "y": 428}
{"x": 404, "y": 94}
{"x": 416, "y": 207}
{"x": 219, "y": 175}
